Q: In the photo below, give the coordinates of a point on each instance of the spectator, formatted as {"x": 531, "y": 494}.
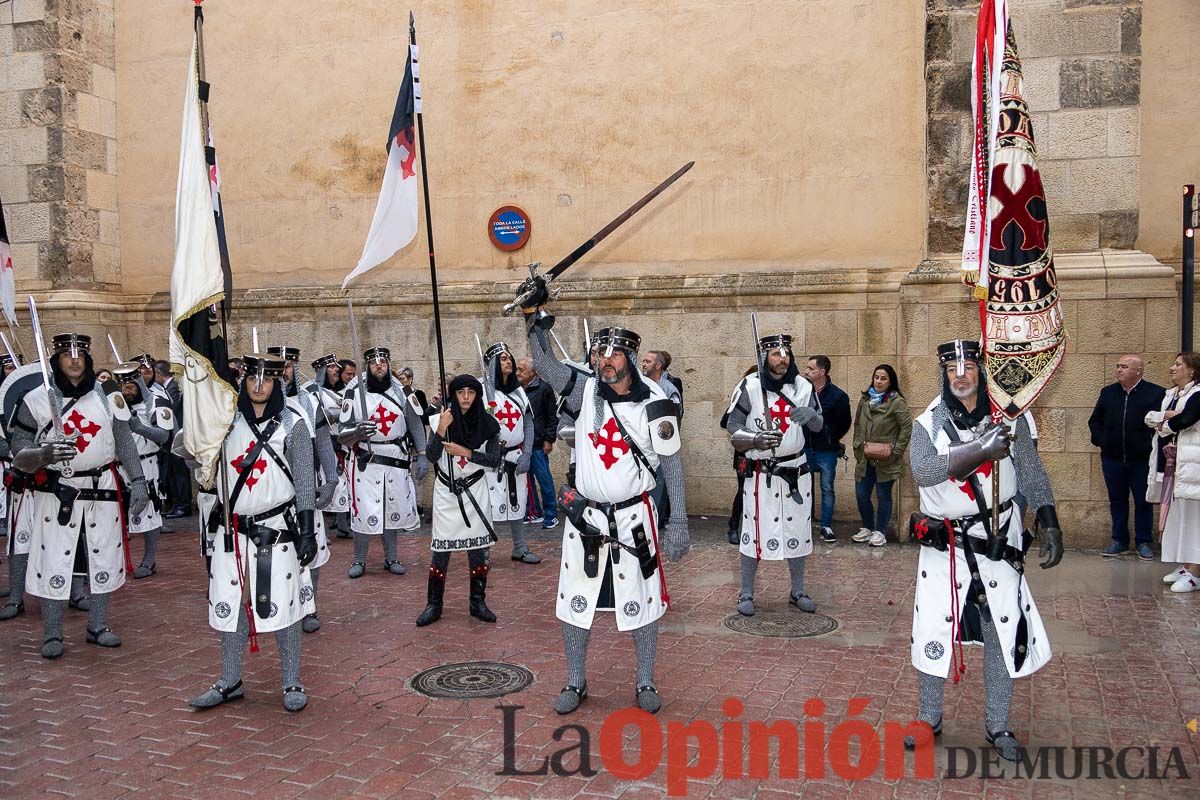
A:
{"x": 178, "y": 479}
{"x": 666, "y": 362}
{"x": 543, "y": 407}
{"x": 882, "y": 431}
{"x": 1118, "y": 429}
{"x": 349, "y": 369}
{"x": 825, "y": 447}
{"x": 103, "y": 376}
{"x": 1176, "y": 460}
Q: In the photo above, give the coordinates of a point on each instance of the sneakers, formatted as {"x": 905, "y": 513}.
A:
{"x": 550, "y": 524}
{"x": 1169, "y": 578}
{"x": 1187, "y": 583}
{"x": 878, "y": 539}
{"x": 1145, "y": 552}
{"x": 828, "y": 536}
{"x": 533, "y": 520}
{"x": 863, "y": 535}
{"x": 1114, "y": 550}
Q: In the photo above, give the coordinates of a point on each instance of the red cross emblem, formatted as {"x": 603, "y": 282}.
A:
{"x": 779, "y": 412}
{"x": 984, "y": 469}
{"x": 921, "y": 528}
{"x": 462, "y": 463}
{"x": 408, "y": 152}
{"x": 1015, "y": 209}
{"x": 614, "y": 442}
{"x": 78, "y": 423}
{"x": 384, "y": 419}
{"x": 509, "y": 415}
{"x": 259, "y": 466}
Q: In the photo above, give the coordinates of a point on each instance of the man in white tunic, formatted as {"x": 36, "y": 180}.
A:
{"x": 383, "y": 493}
{"x": 258, "y": 578}
{"x": 971, "y": 586}
{"x": 327, "y": 387}
{"x": 766, "y": 420}
{"x": 152, "y": 421}
{"x": 325, "y": 465}
{"x": 77, "y": 517}
{"x": 611, "y": 558}
{"x": 508, "y": 486}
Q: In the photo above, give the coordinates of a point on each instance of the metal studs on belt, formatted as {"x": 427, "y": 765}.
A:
{"x": 992, "y": 584}
{"x": 262, "y": 598}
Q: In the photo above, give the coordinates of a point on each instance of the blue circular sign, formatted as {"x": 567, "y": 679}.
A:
{"x": 509, "y": 228}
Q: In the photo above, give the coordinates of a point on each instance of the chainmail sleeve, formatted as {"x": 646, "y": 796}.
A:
{"x": 433, "y": 447}
{"x": 550, "y": 369}
{"x": 326, "y": 457}
{"x": 416, "y": 428}
{"x": 127, "y": 450}
{"x": 527, "y": 442}
{"x": 298, "y": 447}
{"x": 672, "y": 477}
{"x": 21, "y": 436}
{"x": 491, "y": 457}
{"x": 5, "y": 450}
{"x": 739, "y": 411}
{"x": 1032, "y": 481}
{"x": 929, "y": 468}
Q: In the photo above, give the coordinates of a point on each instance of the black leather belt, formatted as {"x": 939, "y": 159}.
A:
{"x": 633, "y": 501}
{"x": 49, "y": 481}
{"x": 245, "y": 521}
{"x": 365, "y": 458}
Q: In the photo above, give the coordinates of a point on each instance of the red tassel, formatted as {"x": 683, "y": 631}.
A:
{"x": 957, "y": 657}
{"x": 249, "y": 609}
{"x": 662, "y": 576}
{"x": 757, "y": 533}
{"x": 124, "y": 526}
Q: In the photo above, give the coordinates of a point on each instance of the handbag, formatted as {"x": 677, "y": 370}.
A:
{"x": 877, "y": 451}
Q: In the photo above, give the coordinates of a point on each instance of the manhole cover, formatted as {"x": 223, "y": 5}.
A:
{"x": 472, "y": 679}
{"x": 782, "y": 624}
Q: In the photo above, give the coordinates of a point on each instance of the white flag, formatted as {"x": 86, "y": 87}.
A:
{"x": 395, "y": 222}
{"x": 197, "y": 283}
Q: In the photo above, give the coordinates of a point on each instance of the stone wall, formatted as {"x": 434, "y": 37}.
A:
{"x": 1081, "y": 60}
{"x": 58, "y": 128}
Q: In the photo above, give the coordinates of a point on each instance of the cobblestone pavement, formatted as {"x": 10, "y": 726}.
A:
{"x": 103, "y": 724}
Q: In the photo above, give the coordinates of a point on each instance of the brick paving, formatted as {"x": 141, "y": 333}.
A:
{"x": 102, "y": 724}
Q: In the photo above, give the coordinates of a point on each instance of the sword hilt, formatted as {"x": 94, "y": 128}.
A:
{"x": 531, "y": 293}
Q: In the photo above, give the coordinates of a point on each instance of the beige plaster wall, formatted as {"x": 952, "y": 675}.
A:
{"x": 1170, "y": 120}
{"x": 805, "y": 119}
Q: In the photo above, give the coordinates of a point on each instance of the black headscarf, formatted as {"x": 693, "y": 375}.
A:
{"x": 378, "y": 385}
{"x": 72, "y": 390}
{"x": 476, "y": 426}
{"x": 958, "y": 412}
{"x": 507, "y": 385}
{"x": 274, "y": 405}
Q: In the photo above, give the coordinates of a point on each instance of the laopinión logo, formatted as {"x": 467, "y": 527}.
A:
{"x": 738, "y": 749}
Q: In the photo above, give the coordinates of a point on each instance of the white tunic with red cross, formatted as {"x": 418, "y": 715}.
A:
{"x": 267, "y": 487}
{"x": 935, "y": 614}
{"x": 305, "y": 406}
{"x": 381, "y": 496}
{"x": 509, "y": 411}
{"x": 52, "y": 546}
{"x": 330, "y": 403}
{"x": 774, "y": 525}
{"x": 606, "y": 471}
{"x": 154, "y": 411}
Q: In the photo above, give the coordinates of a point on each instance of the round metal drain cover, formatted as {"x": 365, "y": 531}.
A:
{"x": 472, "y": 679}
{"x": 782, "y": 624}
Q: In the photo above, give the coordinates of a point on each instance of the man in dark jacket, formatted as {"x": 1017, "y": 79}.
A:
{"x": 825, "y": 447}
{"x": 1124, "y": 441}
{"x": 545, "y": 425}
{"x": 178, "y": 479}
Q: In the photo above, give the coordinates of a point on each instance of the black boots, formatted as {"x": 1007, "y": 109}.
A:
{"x": 479, "y": 608}
{"x": 433, "y": 597}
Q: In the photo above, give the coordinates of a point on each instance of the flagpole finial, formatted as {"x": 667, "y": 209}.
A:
{"x": 412, "y": 20}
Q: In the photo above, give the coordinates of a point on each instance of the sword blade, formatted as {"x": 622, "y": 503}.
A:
{"x": 47, "y": 381}
{"x": 8, "y": 348}
{"x": 586, "y": 247}
{"x": 116, "y": 354}
{"x": 488, "y": 391}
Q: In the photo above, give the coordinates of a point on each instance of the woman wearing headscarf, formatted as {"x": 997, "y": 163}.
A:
{"x": 463, "y": 445}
